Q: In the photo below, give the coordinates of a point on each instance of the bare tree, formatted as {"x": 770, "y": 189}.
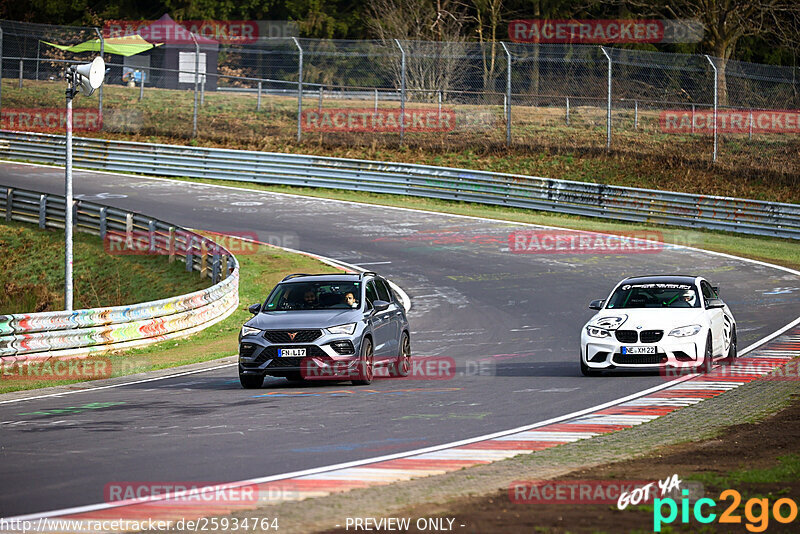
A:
{"x": 433, "y": 35}
{"x": 487, "y": 18}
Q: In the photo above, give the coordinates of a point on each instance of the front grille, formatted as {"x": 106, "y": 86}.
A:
{"x": 272, "y": 352}
{"x": 639, "y": 359}
{"x": 651, "y": 336}
{"x": 292, "y": 336}
{"x": 246, "y": 350}
{"x": 626, "y": 336}
{"x": 284, "y": 362}
{"x": 343, "y": 347}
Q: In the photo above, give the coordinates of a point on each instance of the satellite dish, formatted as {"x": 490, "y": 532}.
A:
{"x": 89, "y": 76}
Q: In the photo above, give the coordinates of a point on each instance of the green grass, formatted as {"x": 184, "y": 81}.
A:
{"x": 259, "y": 272}
{"x": 32, "y": 263}
{"x": 787, "y": 469}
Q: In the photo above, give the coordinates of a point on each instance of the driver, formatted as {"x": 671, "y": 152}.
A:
{"x": 689, "y": 298}
{"x": 350, "y": 300}
{"x": 309, "y": 299}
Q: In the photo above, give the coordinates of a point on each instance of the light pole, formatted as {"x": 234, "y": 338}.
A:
{"x": 85, "y": 78}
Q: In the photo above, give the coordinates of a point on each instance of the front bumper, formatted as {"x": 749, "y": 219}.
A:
{"x": 606, "y": 353}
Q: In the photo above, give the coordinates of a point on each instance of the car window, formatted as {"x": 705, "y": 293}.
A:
{"x": 383, "y": 291}
{"x": 654, "y": 295}
{"x": 372, "y": 294}
{"x": 323, "y": 295}
{"x": 708, "y": 293}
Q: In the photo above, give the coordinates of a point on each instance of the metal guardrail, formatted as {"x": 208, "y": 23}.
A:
{"x": 81, "y": 332}
{"x": 519, "y": 191}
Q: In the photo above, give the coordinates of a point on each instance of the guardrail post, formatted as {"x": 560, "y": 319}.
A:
{"x": 716, "y": 82}
{"x": 151, "y": 230}
{"x": 566, "y": 120}
{"x": 42, "y": 211}
{"x": 171, "y": 244}
{"x": 508, "y": 95}
{"x": 214, "y": 268}
{"x": 103, "y": 222}
{"x": 196, "y": 80}
{"x": 9, "y": 202}
{"x": 258, "y": 99}
{"x": 402, "y": 91}
{"x": 189, "y": 257}
{"x": 608, "y": 104}
{"x": 299, "y": 89}
{"x": 203, "y": 259}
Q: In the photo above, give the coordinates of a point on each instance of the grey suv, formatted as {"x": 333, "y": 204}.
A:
{"x": 325, "y": 327}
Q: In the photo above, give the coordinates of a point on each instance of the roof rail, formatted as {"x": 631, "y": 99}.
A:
{"x": 295, "y": 275}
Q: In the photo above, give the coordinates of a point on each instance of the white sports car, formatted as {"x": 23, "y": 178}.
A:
{"x": 652, "y": 322}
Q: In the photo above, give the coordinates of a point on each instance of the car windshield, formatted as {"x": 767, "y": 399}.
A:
{"x": 293, "y": 296}
{"x": 654, "y": 295}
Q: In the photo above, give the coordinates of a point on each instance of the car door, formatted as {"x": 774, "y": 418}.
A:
{"x": 716, "y": 318}
{"x": 394, "y": 315}
{"x": 379, "y": 322}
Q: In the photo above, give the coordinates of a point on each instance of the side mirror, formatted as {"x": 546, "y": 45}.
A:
{"x": 255, "y": 308}
{"x": 714, "y": 303}
{"x": 380, "y": 305}
{"x": 597, "y": 304}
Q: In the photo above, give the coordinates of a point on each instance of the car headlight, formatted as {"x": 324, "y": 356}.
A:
{"x": 348, "y": 329}
{"x": 249, "y": 330}
{"x": 597, "y": 332}
{"x": 684, "y": 331}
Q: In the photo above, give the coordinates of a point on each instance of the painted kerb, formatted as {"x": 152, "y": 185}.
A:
{"x": 78, "y": 333}
{"x": 519, "y": 191}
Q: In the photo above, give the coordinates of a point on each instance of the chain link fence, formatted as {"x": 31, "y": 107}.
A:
{"x": 450, "y": 95}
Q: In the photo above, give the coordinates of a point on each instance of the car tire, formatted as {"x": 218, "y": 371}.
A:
{"x": 402, "y": 365}
{"x": 251, "y": 381}
{"x": 366, "y": 364}
{"x": 708, "y": 357}
{"x": 730, "y": 359}
{"x": 588, "y": 371}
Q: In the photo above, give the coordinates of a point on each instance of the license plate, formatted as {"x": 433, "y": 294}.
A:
{"x": 291, "y": 353}
{"x": 638, "y": 350}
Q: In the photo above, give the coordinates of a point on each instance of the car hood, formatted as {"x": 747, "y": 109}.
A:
{"x": 280, "y": 320}
{"x": 648, "y": 318}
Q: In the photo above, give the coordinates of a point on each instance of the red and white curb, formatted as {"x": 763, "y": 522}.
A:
{"x": 624, "y": 413}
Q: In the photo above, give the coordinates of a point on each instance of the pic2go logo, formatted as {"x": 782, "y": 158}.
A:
{"x": 756, "y": 511}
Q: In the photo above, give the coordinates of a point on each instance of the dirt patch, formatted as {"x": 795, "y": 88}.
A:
{"x": 720, "y": 463}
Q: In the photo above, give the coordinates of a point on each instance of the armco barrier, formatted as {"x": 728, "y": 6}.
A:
{"x": 77, "y": 333}
{"x": 560, "y": 196}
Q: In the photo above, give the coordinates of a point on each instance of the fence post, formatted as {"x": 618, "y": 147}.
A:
{"x": 567, "y": 116}
{"x": 100, "y": 91}
{"x": 439, "y": 115}
{"x": 203, "y": 91}
{"x": 141, "y": 86}
{"x": 693, "y": 118}
{"x": 716, "y": 81}
{"x": 1, "y": 69}
{"x": 299, "y": 89}
{"x": 608, "y": 105}
{"x": 319, "y": 105}
{"x": 21, "y": 66}
{"x": 508, "y": 95}
{"x": 750, "y": 121}
{"x": 635, "y": 114}
{"x": 258, "y": 99}
{"x": 196, "y": 80}
{"x": 402, "y": 90}
{"x": 376, "y": 100}
{"x": 103, "y": 222}
{"x": 38, "y": 46}
{"x": 9, "y": 202}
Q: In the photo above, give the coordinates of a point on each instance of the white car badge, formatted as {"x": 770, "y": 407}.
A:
{"x": 639, "y": 327}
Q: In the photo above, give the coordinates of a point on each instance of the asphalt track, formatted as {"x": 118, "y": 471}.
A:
{"x": 510, "y": 321}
